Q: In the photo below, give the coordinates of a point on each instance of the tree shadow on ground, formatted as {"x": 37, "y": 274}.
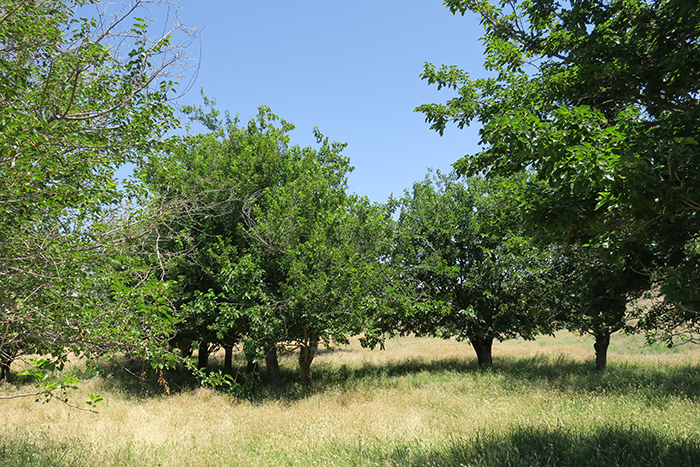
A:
{"x": 558, "y": 446}
{"x": 516, "y": 374}
{"x": 561, "y": 373}
{"x": 135, "y": 379}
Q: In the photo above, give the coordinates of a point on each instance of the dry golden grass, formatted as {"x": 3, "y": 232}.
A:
{"x": 424, "y": 408}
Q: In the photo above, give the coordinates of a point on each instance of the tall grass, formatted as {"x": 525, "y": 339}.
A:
{"x": 420, "y": 402}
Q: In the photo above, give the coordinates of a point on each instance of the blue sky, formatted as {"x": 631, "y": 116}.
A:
{"x": 350, "y": 68}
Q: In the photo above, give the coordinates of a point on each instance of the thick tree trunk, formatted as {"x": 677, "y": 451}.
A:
{"x": 307, "y": 351}
{"x": 602, "y": 341}
{"x": 273, "y": 368}
{"x": 228, "y": 359}
{"x": 483, "y": 350}
{"x": 203, "y": 355}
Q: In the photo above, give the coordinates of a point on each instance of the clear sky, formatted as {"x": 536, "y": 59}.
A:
{"x": 350, "y": 68}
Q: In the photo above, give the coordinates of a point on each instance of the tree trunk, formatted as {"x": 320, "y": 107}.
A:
{"x": 251, "y": 368}
{"x": 185, "y": 346}
{"x": 273, "y": 368}
{"x": 203, "y": 355}
{"x": 4, "y": 370}
{"x": 187, "y": 351}
{"x": 602, "y": 340}
{"x": 307, "y": 351}
{"x": 228, "y": 359}
{"x": 482, "y": 346}
{"x": 305, "y": 359}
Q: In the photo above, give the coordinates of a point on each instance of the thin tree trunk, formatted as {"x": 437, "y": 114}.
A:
{"x": 251, "y": 368}
{"x": 305, "y": 359}
{"x": 184, "y": 345}
{"x": 483, "y": 346}
{"x": 307, "y": 351}
{"x": 4, "y": 370}
{"x": 228, "y": 359}
{"x": 602, "y": 341}
{"x": 203, "y": 355}
{"x": 272, "y": 365}
{"x": 187, "y": 351}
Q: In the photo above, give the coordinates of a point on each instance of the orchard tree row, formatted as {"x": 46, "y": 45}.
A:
{"x": 583, "y": 199}
{"x": 270, "y": 253}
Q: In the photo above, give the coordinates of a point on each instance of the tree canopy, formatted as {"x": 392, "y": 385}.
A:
{"x": 598, "y": 99}
{"x": 275, "y": 252}
{"x": 462, "y": 246}
{"x": 79, "y": 96}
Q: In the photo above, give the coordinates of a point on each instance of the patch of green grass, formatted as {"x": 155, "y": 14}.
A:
{"x": 550, "y": 373}
{"x": 568, "y": 446}
{"x": 136, "y": 379}
{"x": 416, "y": 406}
{"x": 19, "y": 451}
{"x": 636, "y": 344}
{"x": 560, "y": 373}
{"x": 520, "y": 446}
{"x": 526, "y": 446}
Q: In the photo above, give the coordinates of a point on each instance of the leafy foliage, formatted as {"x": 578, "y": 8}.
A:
{"x": 278, "y": 253}
{"x": 79, "y": 96}
{"x": 600, "y": 101}
{"x": 463, "y": 245}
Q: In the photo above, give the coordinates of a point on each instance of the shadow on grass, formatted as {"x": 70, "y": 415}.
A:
{"x": 134, "y": 379}
{"x": 516, "y": 374}
{"x": 556, "y": 373}
{"x": 619, "y": 446}
{"x": 562, "y": 447}
{"x": 623, "y": 378}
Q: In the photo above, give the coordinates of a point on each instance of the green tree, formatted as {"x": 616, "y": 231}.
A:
{"x": 595, "y": 295}
{"x": 600, "y": 100}
{"x": 211, "y": 180}
{"x": 463, "y": 247}
{"x": 79, "y": 97}
{"x": 277, "y": 253}
{"x": 324, "y": 251}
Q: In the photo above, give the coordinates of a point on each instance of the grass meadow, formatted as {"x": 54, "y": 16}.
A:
{"x": 420, "y": 402}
